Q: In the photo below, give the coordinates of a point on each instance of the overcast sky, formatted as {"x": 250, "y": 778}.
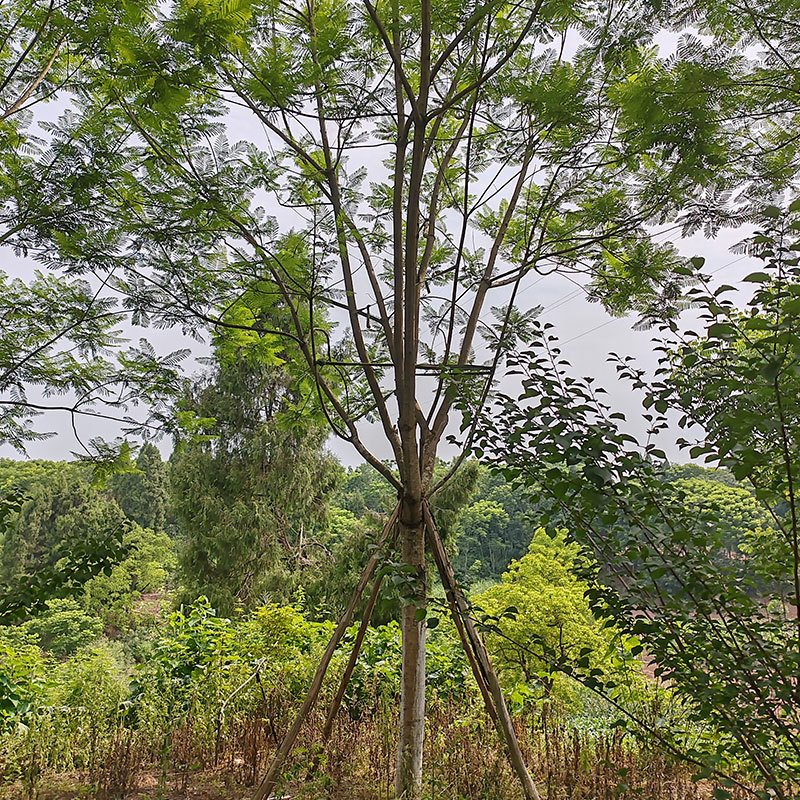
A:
{"x": 587, "y": 333}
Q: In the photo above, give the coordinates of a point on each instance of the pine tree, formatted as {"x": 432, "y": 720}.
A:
{"x": 250, "y": 493}
{"x": 142, "y": 495}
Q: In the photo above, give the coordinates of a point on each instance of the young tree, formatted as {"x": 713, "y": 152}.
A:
{"x": 551, "y": 621}
{"x": 501, "y": 147}
{"x": 416, "y": 160}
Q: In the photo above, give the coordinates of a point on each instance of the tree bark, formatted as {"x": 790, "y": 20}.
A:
{"x": 505, "y": 725}
{"x": 408, "y": 778}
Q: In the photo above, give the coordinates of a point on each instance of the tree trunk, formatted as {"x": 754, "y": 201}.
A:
{"x": 408, "y": 779}
{"x": 497, "y": 706}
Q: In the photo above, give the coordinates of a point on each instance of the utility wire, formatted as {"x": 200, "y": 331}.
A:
{"x": 614, "y": 319}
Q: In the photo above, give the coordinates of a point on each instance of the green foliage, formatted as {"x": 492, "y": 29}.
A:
{"x": 142, "y": 494}
{"x": 200, "y": 659}
{"x": 493, "y": 529}
{"x": 61, "y": 333}
{"x": 584, "y": 136}
{"x": 70, "y": 539}
{"x": 148, "y": 564}
{"x": 61, "y": 513}
{"x": 251, "y": 502}
{"x": 61, "y": 536}
{"x": 725, "y": 636}
{"x": 207, "y": 681}
{"x": 377, "y": 673}
{"x": 362, "y": 491}
{"x": 549, "y": 622}
{"x": 60, "y": 337}
{"x": 142, "y": 181}
{"x": 64, "y": 628}
{"x": 350, "y": 542}
{"x": 449, "y": 502}
{"x": 737, "y": 511}
{"x": 26, "y": 474}
{"x": 93, "y": 682}
{"x": 366, "y": 499}
{"x": 22, "y": 672}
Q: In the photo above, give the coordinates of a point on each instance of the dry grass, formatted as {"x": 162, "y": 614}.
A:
{"x": 463, "y": 762}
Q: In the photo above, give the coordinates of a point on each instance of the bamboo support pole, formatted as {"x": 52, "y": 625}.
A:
{"x": 267, "y": 784}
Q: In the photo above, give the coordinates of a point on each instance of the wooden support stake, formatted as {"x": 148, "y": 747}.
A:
{"x": 466, "y": 643}
{"x": 505, "y": 724}
{"x": 351, "y": 664}
{"x": 267, "y": 785}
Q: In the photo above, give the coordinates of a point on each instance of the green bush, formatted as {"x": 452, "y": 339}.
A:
{"x": 22, "y": 676}
{"x": 538, "y": 618}
{"x": 64, "y": 628}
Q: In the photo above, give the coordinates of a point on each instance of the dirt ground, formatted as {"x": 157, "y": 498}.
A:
{"x": 149, "y": 786}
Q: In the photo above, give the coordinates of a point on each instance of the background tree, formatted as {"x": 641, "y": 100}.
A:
{"x": 250, "y": 494}
{"x": 146, "y": 568}
{"x": 550, "y": 621}
{"x": 739, "y": 515}
{"x": 142, "y": 494}
{"x": 353, "y": 535}
{"x": 63, "y": 512}
{"x": 364, "y": 490}
{"x": 494, "y": 529}
{"x": 65, "y": 538}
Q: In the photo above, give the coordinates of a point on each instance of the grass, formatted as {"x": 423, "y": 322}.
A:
{"x": 463, "y": 762}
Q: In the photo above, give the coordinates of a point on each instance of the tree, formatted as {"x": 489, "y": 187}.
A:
{"x": 738, "y": 513}
{"x": 64, "y": 627}
{"x": 464, "y": 103}
{"x": 58, "y": 533}
{"x": 726, "y": 637}
{"x": 550, "y": 621}
{"x": 63, "y": 511}
{"x": 148, "y": 564}
{"x": 363, "y": 491}
{"x": 517, "y": 140}
{"x": 250, "y": 493}
{"x": 142, "y": 494}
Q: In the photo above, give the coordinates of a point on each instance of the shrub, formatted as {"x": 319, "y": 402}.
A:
{"x": 64, "y": 628}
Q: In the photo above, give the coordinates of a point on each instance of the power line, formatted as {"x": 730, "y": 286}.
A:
{"x": 562, "y": 301}
{"x": 735, "y": 261}
{"x": 592, "y": 330}
{"x": 614, "y": 319}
